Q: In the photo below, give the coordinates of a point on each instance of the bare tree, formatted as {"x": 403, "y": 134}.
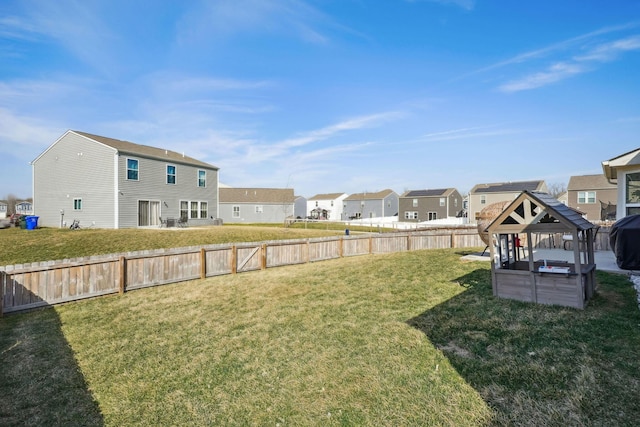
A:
{"x": 556, "y": 189}
{"x": 11, "y": 204}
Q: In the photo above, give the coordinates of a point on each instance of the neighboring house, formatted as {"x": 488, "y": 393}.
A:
{"x": 429, "y": 205}
{"x": 300, "y": 207}
{"x": 483, "y": 195}
{"x": 624, "y": 171}
{"x": 326, "y": 206}
{"x": 256, "y": 205}
{"x": 563, "y": 198}
{"x": 594, "y": 195}
{"x": 371, "y": 205}
{"x": 24, "y": 207}
{"x": 108, "y": 183}
{"x": 4, "y": 206}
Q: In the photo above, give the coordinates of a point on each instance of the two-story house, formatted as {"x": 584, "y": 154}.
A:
{"x": 109, "y": 183}
{"x": 594, "y": 195}
{"x": 326, "y": 206}
{"x": 256, "y": 205}
{"x": 482, "y": 195}
{"x": 429, "y": 205}
{"x": 371, "y": 205}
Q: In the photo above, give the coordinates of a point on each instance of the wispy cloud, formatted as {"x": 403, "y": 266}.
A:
{"x": 226, "y": 18}
{"x": 582, "y": 61}
{"x": 468, "y": 133}
{"x": 346, "y": 125}
{"x": 554, "y": 73}
{"x": 464, "y": 4}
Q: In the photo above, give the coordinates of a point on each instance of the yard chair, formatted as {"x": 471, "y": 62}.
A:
{"x": 182, "y": 222}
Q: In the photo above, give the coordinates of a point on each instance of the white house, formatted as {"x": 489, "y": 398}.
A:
{"x": 326, "y": 206}
{"x": 624, "y": 171}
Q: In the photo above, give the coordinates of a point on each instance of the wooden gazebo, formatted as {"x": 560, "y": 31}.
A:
{"x": 544, "y": 281}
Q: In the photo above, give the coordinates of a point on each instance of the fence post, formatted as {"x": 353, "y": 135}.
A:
{"x": 341, "y": 248}
{"x": 3, "y": 280}
{"x": 263, "y": 262}
{"x": 203, "y": 263}
{"x": 123, "y": 275}
{"x": 370, "y": 245}
{"x": 453, "y": 240}
{"x": 409, "y": 241}
{"x": 234, "y": 259}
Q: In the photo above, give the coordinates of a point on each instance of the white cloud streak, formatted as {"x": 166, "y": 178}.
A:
{"x": 578, "y": 64}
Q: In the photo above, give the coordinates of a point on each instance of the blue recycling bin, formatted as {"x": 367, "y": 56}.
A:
{"x": 32, "y": 222}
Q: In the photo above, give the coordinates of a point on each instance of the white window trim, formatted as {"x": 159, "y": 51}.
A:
{"x": 235, "y": 214}
{"x": 586, "y": 197}
{"x": 205, "y": 178}
{"x": 77, "y": 199}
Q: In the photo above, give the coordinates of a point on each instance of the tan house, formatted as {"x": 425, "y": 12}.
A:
{"x": 594, "y": 195}
{"x": 483, "y": 195}
{"x": 624, "y": 171}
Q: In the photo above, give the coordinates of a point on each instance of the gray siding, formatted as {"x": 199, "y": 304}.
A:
{"x": 152, "y": 185}
{"x": 79, "y": 167}
{"x": 271, "y": 212}
{"x": 390, "y": 206}
{"x": 71, "y": 168}
{"x": 371, "y": 208}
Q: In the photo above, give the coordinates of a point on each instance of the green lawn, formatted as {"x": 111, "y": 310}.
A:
{"x": 401, "y": 339}
{"x": 45, "y": 244}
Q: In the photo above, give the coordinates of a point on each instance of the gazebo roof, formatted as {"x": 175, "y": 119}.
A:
{"x": 538, "y": 212}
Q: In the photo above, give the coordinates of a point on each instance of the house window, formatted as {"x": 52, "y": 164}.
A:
{"x": 132, "y": 169}
{"x": 483, "y": 200}
{"x": 415, "y": 203}
{"x": 259, "y": 209}
{"x": 632, "y": 189}
{"x": 332, "y": 203}
{"x": 236, "y": 212}
{"x": 316, "y": 203}
{"x": 443, "y": 201}
{"x": 193, "y": 209}
{"x": 410, "y": 215}
{"x": 184, "y": 210}
{"x": 455, "y": 202}
{"x": 171, "y": 174}
{"x": 202, "y": 178}
{"x": 77, "y": 204}
{"x": 432, "y": 216}
{"x": 586, "y": 197}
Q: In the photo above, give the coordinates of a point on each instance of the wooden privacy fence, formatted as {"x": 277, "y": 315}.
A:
{"x": 27, "y": 286}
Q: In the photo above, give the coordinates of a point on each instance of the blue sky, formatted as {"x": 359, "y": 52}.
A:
{"x": 328, "y": 95}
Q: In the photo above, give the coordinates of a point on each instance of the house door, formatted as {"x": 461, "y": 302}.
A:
{"x": 148, "y": 213}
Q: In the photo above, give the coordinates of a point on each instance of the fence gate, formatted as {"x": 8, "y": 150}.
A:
{"x": 249, "y": 258}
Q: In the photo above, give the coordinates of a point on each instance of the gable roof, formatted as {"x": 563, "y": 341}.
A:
{"x": 440, "y": 192}
{"x": 145, "y": 150}
{"x": 328, "y": 196}
{"x": 256, "y": 195}
{"x": 590, "y": 182}
{"x": 371, "y": 196}
{"x": 544, "y": 212}
{"x": 610, "y": 167}
{"x": 507, "y": 187}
